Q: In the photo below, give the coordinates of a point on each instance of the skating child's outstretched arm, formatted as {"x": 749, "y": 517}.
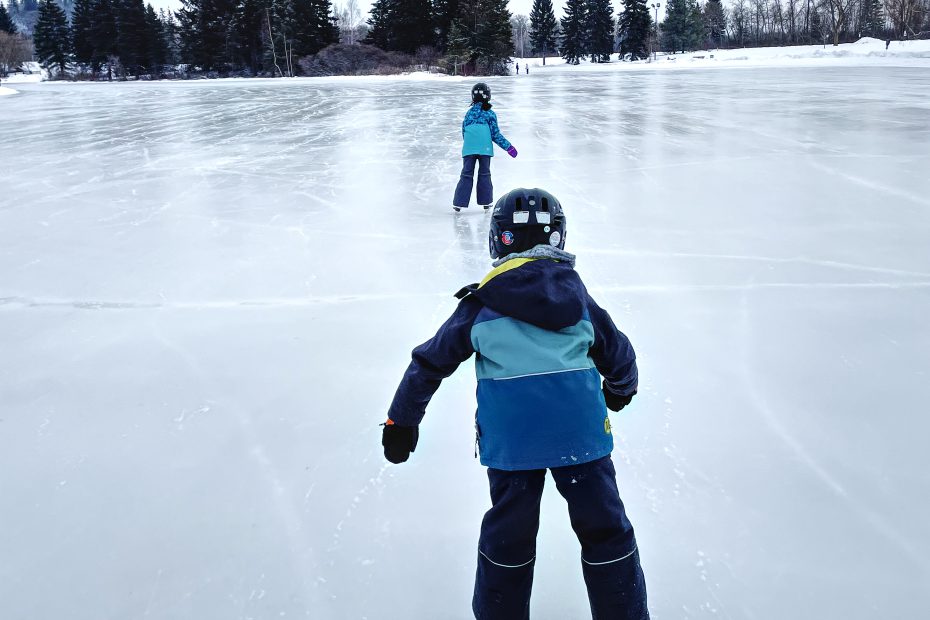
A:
{"x": 614, "y": 357}
{"x": 498, "y": 137}
{"x": 433, "y": 361}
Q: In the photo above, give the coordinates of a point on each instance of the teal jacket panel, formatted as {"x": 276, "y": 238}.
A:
{"x": 480, "y": 132}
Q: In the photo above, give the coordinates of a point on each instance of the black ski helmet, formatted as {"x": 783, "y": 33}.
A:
{"x": 480, "y": 93}
{"x": 524, "y": 218}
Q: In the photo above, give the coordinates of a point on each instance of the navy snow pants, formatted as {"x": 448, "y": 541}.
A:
{"x": 507, "y": 547}
{"x": 485, "y": 188}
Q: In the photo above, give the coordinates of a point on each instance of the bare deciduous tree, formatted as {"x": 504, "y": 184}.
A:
{"x": 906, "y": 15}
{"x": 351, "y": 26}
{"x": 520, "y": 24}
{"x": 14, "y": 50}
{"x": 838, "y": 13}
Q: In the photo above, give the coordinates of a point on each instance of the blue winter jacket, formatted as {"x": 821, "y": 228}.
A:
{"x": 541, "y": 346}
{"x": 478, "y": 130}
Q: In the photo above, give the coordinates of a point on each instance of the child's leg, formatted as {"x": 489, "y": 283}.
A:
{"x": 466, "y": 180}
{"x": 485, "y": 188}
{"x": 507, "y": 547}
{"x": 609, "y": 559}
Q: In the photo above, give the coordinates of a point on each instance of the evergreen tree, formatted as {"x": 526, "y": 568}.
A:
{"x": 170, "y": 28}
{"x": 543, "y": 28}
{"x": 251, "y": 33}
{"x": 309, "y": 26}
{"x": 457, "y": 50}
{"x": 131, "y": 38}
{"x": 82, "y": 31}
{"x": 444, "y": 13}
{"x": 411, "y": 25}
{"x": 206, "y": 32}
{"x": 6, "y": 22}
{"x": 635, "y": 26}
{"x": 52, "y": 37}
{"x": 681, "y": 30}
{"x": 103, "y": 34}
{"x": 573, "y": 31}
{"x": 487, "y": 33}
{"x": 490, "y": 37}
{"x": 715, "y": 21}
{"x": 156, "y": 46}
{"x": 379, "y": 24}
{"x": 600, "y": 30}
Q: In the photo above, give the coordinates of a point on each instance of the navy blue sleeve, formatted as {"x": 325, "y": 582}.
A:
{"x": 433, "y": 361}
{"x": 612, "y": 353}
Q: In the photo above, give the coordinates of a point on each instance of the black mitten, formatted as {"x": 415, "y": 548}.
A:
{"x": 399, "y": 441}
{"x": 615, "y": 402}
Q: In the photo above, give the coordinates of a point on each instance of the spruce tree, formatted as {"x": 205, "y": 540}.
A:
{"x": 82, "y": 31}
{"x": 156, "y": 46}
{"x": 104, "y": 32}
{"x": 444, "y": 13}
{"x": 715, "y": 21}
{"x": 496, "y": 42}
{"x": 251, "y": 31}
{"x": 600, "y": 30}
{"x": 206, "y": 31}
{"x": 573, "y": 32}
{"x": 411, "y": 25}
{"x": 6, "y": 22}
{"x": 131, "y": 39}
{"x": 52, "y": 37}
{"x": 486, "y": 26}
{"x": 379, "y": 24}
{"x": 309, "y": 26}
{"x": 635, "y": 26}
{"x": 543, "y": 28}
{"x": 458, "y": 51}
{"x": 170, "y": 28}
{"x": 681, "y": 30}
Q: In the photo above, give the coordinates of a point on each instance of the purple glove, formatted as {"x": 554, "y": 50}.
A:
{"x": 512, "y": 151}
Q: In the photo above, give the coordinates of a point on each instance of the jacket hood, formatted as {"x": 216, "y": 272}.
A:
{"x": 543, "y": 292}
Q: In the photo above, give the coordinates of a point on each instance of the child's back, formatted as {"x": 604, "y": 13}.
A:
{"x": 541, "y": 345}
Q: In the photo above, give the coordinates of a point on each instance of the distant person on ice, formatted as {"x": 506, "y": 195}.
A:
{"x": 479, "y": 129}
{"x": 541, "y": 346}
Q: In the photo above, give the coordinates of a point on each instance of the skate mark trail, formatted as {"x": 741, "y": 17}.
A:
{"x": 799, "y": 260}
{"x": 882, "y": 526}
{"x": 286, "y": 510}
{"x": 869, "y": 184}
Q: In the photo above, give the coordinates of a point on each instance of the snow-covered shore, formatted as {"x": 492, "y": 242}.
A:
{"x": 866, "y": 51}
{"x": 7, "y": 91}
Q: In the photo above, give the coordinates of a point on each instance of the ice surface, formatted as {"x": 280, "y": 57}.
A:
{"x": 209, "y": 291}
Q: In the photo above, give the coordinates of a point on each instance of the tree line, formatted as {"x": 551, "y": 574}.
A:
{"x": 287, "y": 37}
{"x": 587, "y": 29}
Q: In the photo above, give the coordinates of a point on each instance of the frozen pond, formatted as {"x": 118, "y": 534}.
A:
{"x": 209, "y": 291}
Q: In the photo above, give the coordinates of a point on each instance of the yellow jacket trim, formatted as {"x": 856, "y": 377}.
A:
{"x": 511, "y": 264}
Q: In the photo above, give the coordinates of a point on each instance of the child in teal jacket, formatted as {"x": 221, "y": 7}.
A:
{"x": 479, "y": 133}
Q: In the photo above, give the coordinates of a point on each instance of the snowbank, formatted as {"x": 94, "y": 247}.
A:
{"x": 866, "y": 51}
{"x": 23, "y": 78}
{"x": 7, "y": 91}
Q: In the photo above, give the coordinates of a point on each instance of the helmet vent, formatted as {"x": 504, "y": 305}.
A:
{"x": 519, "y": 204}
{"x": 545, "y": 204}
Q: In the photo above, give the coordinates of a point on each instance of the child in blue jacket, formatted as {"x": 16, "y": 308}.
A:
{"x": 541, "y": 346}
{"x": 479, "y": 129}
